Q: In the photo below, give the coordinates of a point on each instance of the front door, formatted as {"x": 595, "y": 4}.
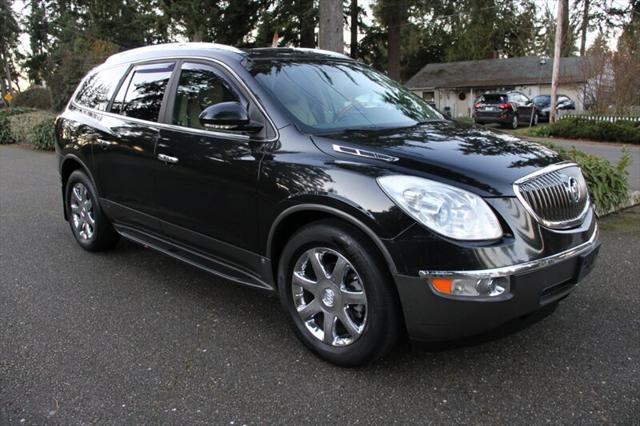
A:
{"x": 206, "y": 190}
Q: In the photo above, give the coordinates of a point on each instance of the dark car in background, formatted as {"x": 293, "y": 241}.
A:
{"x": 509, "y": 109}
{"x": 542, "y": 103}
{"x": 317, "y": 179}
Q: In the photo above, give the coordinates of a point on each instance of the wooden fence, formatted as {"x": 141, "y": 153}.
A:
{"x": 598, "y": 117}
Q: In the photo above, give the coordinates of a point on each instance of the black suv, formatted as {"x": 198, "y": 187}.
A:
{"x": 314, "y": 177}
{"x": 507, "y": 108}
{"x": 542, "y": 103}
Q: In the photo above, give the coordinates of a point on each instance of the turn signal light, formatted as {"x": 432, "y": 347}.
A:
{"x": 442, "y": 285}
{"x": 485, "y": 287}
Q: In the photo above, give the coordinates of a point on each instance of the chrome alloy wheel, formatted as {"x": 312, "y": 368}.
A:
{"x": 82, "y": 213}
{"x": 329, "y": 296}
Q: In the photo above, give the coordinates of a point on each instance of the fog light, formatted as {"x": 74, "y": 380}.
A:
{"x": 486, "y": 287}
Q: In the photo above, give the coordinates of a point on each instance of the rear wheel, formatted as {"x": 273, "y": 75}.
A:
{"x": 90, "y": 227}
{"x": 339, "y": 298}
{"x": 513, "y": 124}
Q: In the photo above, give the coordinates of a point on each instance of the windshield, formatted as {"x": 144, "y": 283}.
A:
{"x": 324, "y": 97}
{"x": 543, "y": 100}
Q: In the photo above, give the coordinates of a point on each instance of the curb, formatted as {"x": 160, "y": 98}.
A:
{"x": 633, "y": 200}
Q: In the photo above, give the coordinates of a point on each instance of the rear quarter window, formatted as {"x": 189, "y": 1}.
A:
{"x": 98, "y": 89}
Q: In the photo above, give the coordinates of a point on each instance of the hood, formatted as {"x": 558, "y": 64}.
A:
{"x": 477, "y": 159}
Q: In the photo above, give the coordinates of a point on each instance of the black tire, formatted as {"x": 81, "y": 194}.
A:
{"x": 478, "y": 122}
{"x": 383, "y": 321}
{"x": 536, "y": 119}
{"x": 514, "y": 123}
{"x": 103, "y": 235}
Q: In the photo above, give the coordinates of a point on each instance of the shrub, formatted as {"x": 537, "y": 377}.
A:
{"x": 21, "y": 125}
{"x": 5, "y": 131}
{"x": 608, "y": 183}
{"x": 35, "y": 97}
{"x": 577, "y": 128}
{"x": 43, "y": 135}
{"x": 8, "y": 112}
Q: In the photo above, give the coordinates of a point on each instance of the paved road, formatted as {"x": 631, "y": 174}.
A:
{"x": 134, "y": 337}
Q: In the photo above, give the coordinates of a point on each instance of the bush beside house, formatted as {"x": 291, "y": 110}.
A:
{"x": 577, "y": 128}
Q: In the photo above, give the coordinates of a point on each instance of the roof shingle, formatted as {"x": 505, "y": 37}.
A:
{"x": 496, "y": 73}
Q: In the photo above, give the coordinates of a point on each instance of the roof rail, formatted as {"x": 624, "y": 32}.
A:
{"x": 163, "y": 46}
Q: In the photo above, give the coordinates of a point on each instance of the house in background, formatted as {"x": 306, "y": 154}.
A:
{"x": 454, "y": 86}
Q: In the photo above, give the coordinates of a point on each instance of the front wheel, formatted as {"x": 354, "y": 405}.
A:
{"x": 338, "y": 295}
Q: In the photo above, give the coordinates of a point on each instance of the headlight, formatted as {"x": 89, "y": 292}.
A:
{"x": 445, "y": 209}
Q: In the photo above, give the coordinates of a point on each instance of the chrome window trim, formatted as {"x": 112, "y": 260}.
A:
{"x": 507, "y": 271}
{"x": 549, "y": 223}
{"x": 188, "y": 129}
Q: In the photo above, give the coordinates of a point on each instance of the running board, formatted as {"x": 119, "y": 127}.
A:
{"x": 213, "y": 266}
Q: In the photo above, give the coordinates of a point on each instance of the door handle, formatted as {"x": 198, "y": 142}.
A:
{"x": 167, "y": 158}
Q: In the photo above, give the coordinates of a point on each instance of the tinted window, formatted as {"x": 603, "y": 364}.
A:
{"x": 140, "y": 96}
{"x": 336, "y": 95}
{"x": 542, "y": 100}
{"x": 200, "y": 86}
{"x": 99, "y": 87}
{"x": 493, "y": 98}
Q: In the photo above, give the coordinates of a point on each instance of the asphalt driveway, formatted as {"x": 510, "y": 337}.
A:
{"x": 131, "y": 336}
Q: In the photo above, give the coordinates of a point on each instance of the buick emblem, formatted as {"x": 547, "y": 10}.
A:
{"x": 574, "y": 189}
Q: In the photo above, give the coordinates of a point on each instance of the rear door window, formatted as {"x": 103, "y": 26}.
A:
{"x": 99, "y": 87}
{"x": 141, "y": 94}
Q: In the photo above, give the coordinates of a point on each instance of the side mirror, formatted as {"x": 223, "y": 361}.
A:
{"x": 228, "y": 116}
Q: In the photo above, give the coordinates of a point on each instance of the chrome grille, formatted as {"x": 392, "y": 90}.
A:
{"x": 557, "y": 196}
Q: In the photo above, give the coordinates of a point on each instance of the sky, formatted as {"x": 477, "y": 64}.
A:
{"x": 19, "y": 8}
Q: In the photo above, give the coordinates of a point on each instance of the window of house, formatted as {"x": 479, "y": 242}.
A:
{"x": 140, "y": 96}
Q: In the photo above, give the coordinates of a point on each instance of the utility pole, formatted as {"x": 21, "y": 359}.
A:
{"x": 555, "y": 75}
{"x": 330, "y": 34}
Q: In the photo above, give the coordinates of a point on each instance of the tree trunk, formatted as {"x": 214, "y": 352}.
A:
{"x": 353, "y": 47}
{"x": 394, "y": 28}
{"x": 565, "y": 29}
{"x": 330, "y": 35}
{"x": 307, "y": 24}
{"x": 585, "y": 24}
{"x": 196, "y": 35}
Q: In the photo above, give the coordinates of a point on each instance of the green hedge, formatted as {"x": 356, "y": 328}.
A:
{"x": 5, "y": 131}
{"x": 43, "y": 135}
{"x": 578, "y": 128}
{"x": 608, "y": 183}
{"x": 27, "y": 125}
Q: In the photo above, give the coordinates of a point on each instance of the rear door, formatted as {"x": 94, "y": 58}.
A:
{"x": 125, "y": 158}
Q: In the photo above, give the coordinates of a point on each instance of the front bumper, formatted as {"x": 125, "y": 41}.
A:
{"x": 430, "y": 316}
